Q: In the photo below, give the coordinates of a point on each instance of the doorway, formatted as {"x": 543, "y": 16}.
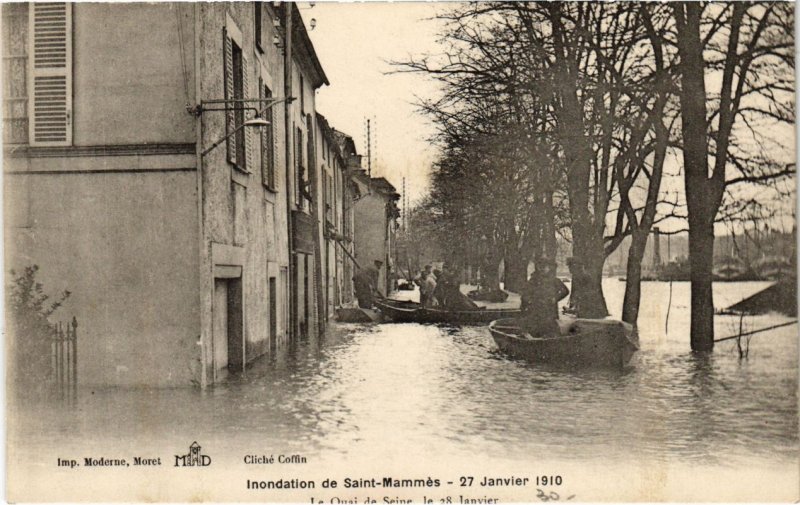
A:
{"x": 273, "y": 312}
{"x": 227, "y": 327}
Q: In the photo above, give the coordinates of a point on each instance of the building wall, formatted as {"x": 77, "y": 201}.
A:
{"x": 303, "y": 117}
{"x": 124, "y": 244}
{"x": 113, "y": 217}
{"x": 328, "y": 168}
{"x": 171, "y": 232}
{"x": 244, "y": 222}
{"x": 370, "y": 233}
{"x": 347, "y": 225}
{"x": 129, "y": 88}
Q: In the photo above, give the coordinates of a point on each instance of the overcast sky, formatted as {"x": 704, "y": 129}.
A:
{"x": 354, "y": 42}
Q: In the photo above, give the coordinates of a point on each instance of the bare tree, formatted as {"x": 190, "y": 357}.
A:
{"x": 745, "y": 52}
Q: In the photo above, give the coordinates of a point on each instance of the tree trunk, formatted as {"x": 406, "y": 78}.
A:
{"x": 593, "y": 297}
{"x": 490, "y": 273}
{"x": 587, "y": 245}
{"x": 516, "y": 270}
{"x": 700, "y": 190}
{"x": 701, "y": 261}
{"x": 633, "y": 279}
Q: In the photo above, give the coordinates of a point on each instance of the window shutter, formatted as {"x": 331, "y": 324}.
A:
{"x": 248, "y": 134}
{"x": 267, "y": 138}
{"x": 271, "y": 117}
{"x": 263, "y": 131}
{"x": 50, "y": 84}
{"x": 230, "y": 117}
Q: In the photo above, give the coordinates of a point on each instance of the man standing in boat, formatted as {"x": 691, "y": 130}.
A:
{"x": 374, "y": 273}
{"x": 427, "y": 287}
{"x": 365, "y": 284}
{"x": 540, "y": 298}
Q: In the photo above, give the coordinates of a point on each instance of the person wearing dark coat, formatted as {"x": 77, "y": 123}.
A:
{"x": 362, "y": 285}
{"x": 579, "y": 304}
{"x": 449, "y": 294}
{"x": 427, "y": 285}
{"x": 374, "y": 273}
{"x": 540, "y": 298}
{"x": 365, "y": 284}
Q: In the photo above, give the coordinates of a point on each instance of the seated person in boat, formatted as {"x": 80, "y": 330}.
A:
{"x": 579, "y": 305}
{"x": 540, "y": 298}
{"x": 448, "y": 292}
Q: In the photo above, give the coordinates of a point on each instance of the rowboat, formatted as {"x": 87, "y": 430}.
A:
{"x": 581, "y": 342}
{"x": 401, "y": 311}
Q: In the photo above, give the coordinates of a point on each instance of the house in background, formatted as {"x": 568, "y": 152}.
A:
{"x": 375, "y": 225}
{"x": 305, "y": 75}
{"x": 186, "y": 238}
{"x": 336, "y": 216}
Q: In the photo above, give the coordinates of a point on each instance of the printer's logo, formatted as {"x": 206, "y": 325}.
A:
{"x": 194, "y": 458}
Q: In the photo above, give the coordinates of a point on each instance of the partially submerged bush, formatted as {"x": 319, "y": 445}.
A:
{"x": 28, "y": 309}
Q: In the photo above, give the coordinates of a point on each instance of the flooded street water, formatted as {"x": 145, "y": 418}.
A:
{"x": 446, "y": 392}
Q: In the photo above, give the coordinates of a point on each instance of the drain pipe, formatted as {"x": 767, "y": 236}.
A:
{"x": 287, "y": 109}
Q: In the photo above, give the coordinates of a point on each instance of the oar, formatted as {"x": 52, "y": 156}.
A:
{"x": 755, "y": 331}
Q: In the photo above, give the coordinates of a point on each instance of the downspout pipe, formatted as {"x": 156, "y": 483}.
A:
{"x": 204, "y": 254}
{"x": 287, "y": 109}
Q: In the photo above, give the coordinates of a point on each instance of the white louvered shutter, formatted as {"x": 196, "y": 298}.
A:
{"x": 50, "y": 83}
{"x": 248, "y": 134}
{"x": 230, "y": 116}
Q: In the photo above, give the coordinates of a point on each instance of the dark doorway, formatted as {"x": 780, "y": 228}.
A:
{"x": 306, "y": 295}
{"x": 235, "y": 326}
{"x": 227, "y": 327}
{"x": 295, "y": 306}
{"x": 273, "y": 312}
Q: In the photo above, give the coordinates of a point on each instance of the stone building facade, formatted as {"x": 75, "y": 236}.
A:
{"x": 336, "y": 216}
{"x": 188, "y": 255}
{"x": 375, "y": 225}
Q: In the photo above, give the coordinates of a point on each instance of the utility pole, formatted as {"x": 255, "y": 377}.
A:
{"x": 369, "y": 150}
{"x": 405, "y": 201}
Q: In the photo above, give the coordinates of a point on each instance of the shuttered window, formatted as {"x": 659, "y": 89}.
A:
{"x": 247, "y": 133}
{"x": 302, "y": 95}
{"x": 50, "y": 72}
{"x": 267, "y": 139}
{"x": 235, "y": 83}
{"x": 331, "y": 198}
{"x": 257, "y": 20}
{"x": 299, "y": 168}
{"x": 311, "y": 160}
